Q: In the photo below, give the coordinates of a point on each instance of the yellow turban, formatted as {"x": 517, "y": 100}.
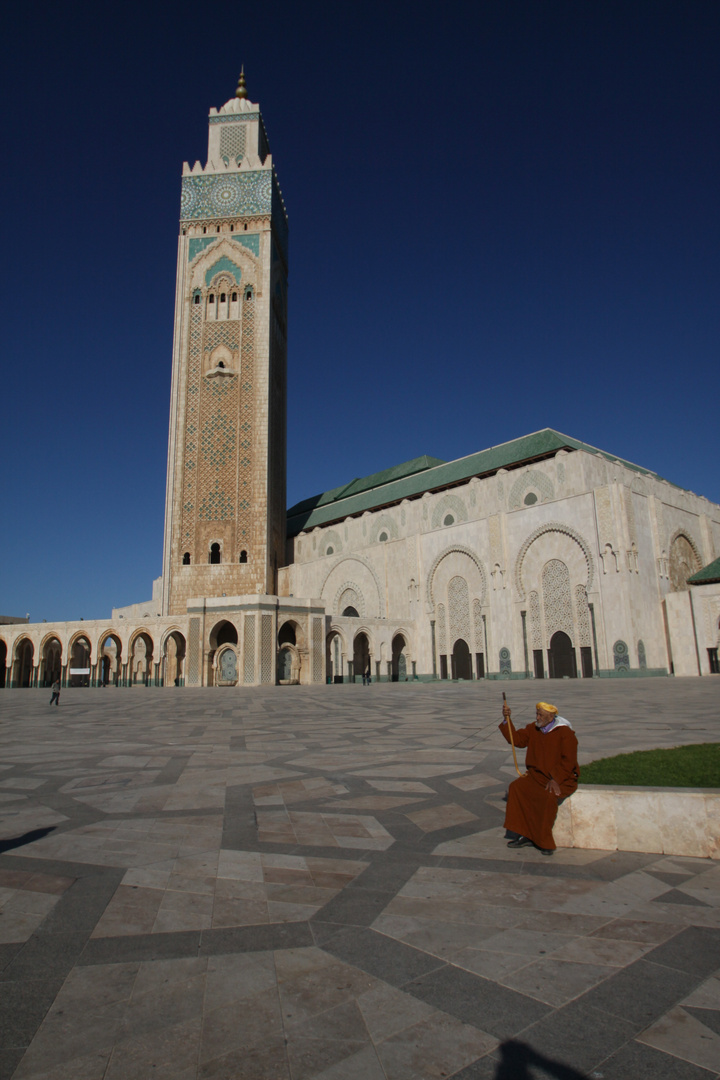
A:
{"x": 547, "y": 708}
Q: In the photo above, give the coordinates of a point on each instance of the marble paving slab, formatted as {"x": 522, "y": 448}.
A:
{"x": 312, "y": 883}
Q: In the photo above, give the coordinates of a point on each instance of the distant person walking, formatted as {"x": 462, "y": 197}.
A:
{"x": 367, "y": 677}
{"x": 55, "y": 699}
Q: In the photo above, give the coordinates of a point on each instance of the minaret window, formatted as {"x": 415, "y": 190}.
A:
{"x": 214, "y": 554}
{"x": 211, "y": 299}
{"x": 223, "y": 298}
{"x": 243, "y": 556}
{"x": 196, "y": 298}
{"x": 234, "y": 297}
{"x": 248, "y": 294}
{"x": 186, "y": 559}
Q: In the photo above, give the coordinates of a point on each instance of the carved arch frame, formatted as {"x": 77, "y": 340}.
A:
{"x": 351, "y": 584}
{"x": 691, "y": 541}
{"x": 448, "y": 501}
{"x": 553, "y": 526}
{"x": 388, "y": 523}
{"x": 462, "y": 550}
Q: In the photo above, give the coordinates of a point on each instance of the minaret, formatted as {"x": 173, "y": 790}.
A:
{"x": 225, "y": 503}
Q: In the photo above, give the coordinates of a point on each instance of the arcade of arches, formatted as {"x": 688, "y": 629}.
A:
{"x": 84, "y": 660}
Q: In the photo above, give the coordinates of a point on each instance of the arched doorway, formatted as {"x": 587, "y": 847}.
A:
{"x": 562, "y": 661}
{"x": 111, "y": 661}
{"x": 141, "y": 660}
{"x": 291, "y": 640}
{"x": 226, "y": 672}
{"x": 461, "y": 665}
{"x": 51, "y": 662}
{"x": 3, "y": 663}
{"x": 361, "y": 656}
{"x": 334, "y": 657}
{"x": 399, "y": 659}
{"x": 223, "y": 633}
{"x": 23, "y": 663}
{"x": 174, "y": 674}
{"x": 79, "y": 662}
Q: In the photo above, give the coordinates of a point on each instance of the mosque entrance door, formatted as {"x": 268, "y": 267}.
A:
{"x": 562, "y": 661}
{"x": 284, "y": 665}
{"x": 461, "y": 666}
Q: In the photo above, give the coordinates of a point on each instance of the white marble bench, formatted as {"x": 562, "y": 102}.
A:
{"x": 669, "y": 821}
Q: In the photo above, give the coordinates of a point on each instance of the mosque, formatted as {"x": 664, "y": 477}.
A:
{"x": 540, "y": 558}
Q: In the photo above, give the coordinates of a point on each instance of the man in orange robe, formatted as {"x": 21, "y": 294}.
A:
{"x": 552, "y": 774}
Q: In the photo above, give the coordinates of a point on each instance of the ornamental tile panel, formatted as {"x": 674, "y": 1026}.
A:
{"x": 232, "y": 141}
{"x": 233, "y": 118}
{"x": 225, "y": 195}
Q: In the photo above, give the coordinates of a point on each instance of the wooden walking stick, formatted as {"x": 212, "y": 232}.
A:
{"x": 512, "y": 741}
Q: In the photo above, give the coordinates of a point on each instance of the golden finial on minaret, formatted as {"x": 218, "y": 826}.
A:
{"x": 241, "y": 92}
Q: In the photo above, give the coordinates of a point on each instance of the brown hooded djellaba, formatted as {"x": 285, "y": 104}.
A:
{"x": 531, "y": 808}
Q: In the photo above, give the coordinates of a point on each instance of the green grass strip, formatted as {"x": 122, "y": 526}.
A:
{"x": 682, "y": 766}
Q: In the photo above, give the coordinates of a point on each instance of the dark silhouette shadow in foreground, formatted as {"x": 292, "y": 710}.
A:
{"x": 26, "y": 838}
{"x": 517, "y": 1057}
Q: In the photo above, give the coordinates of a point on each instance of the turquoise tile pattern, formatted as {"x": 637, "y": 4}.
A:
{"x": 225, "y": 195}
{"x": 225, "y": 264}
{"x": 233, "y": 118}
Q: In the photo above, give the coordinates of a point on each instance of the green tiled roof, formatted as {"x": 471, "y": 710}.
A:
{"x": 708, "y": 575}
{"x": 423, "y": 474}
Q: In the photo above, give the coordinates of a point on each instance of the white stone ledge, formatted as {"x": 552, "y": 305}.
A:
{"x": 666, "y": 821}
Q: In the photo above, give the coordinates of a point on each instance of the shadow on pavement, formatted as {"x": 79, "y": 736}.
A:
{"x": 26, "y": 838}
{"x": 517, "y": 1057}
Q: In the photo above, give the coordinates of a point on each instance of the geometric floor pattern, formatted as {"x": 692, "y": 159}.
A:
{"x": 311, "y": 883}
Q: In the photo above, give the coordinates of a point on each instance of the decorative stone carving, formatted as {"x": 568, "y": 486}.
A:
{"x": 535, "y": 627}
{"x": 532, "y": 480}
{"x": 557, "y": 600}
{"x": 439, "y": 558}
{"x": 583, "y": 615}
{"x": 478, "y": 626}
{"x": 441, "y": 628}
{"x": 552, "y": 526}
{"x": 448, "y": 503}
{"x": 349, "y": 596}
{"x": 684, "y": 561}
{"x": 459, "y": 609}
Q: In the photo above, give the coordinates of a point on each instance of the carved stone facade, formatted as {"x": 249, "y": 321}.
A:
{"x": 225, "y": 508}
{"x": 475, "y": 568}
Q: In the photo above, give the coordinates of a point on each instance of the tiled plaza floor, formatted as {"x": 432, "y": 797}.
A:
{"x": 312, "y": 884}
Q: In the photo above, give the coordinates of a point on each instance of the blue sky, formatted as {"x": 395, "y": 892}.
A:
{"x": 503, "y": 217}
